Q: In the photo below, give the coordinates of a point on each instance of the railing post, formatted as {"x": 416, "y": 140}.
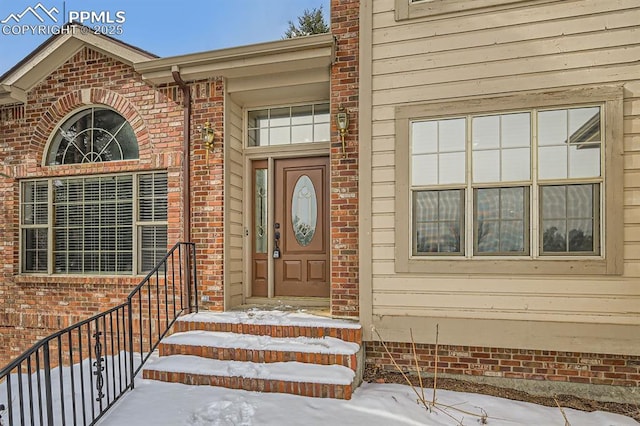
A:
{"x": 47, "y": 383}
{"x": 195, "y": 275}
{"x": 186, "y": 267}
{"x": 132, "y": 368}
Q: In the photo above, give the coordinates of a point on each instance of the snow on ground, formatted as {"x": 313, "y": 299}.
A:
{"x": 157, "y": 403}
{"x": 272, "y": 317}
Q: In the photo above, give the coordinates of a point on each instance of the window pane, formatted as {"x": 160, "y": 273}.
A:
{"x": 35, "y": 250}
{"x": 486, "y": 132}
{"x": 512, "y": 236}
{"x": 552, "y": 127}
{"x": 437, "y": 222}
{"x": 321, "y": 113}
{"x": 486, "y": 166}
{"x": 580, "y": 201}
{"x": 554, "y": 204}
{"x": 580, "y": 235}
{"x": 516, "y": 164}
{"x": 552, "y": 162}
{"x": 302, "y": 134}
{"x": 569, "y": 218}
{"x": 153, "y": 246}
{"x": 501, "y": 221}
{"x": 258, "y": 119}
{"x": 451, "y": 168}
{"x": 584, "y": 125}
{"x": 516, "y": 130}
{"x": 280, "y": 117}
{"x": 424, "y": 170}
{"x": 424, "y": 137}
{"x": 260, "y": 214}
{"x": 452, "y": 135}
{"x": 321, "y": 132}
{"x": 301, "y": 115}
{"x": 91, "y": 136}
{"x": 584, "y": 161}
{"x": 279, "y": 135}
{"x": 554, "y": 236}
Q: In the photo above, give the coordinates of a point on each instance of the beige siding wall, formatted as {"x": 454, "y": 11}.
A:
{"x": 234, "y": 263}
{"x": 530, "y": 47}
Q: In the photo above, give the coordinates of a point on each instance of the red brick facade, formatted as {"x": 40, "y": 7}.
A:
{"x": 36, "y": 306}
{"x": 570, "y": 367}
{"x": 344, "y": 169}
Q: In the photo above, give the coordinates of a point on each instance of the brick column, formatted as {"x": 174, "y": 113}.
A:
{"x": 344, "y": 168}
{"x": 207, "y": 191}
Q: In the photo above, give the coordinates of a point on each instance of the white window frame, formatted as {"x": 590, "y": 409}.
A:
{"x": 610, "y": 259}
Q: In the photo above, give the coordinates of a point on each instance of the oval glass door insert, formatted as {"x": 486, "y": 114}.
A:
{"x": 304, "y": 210}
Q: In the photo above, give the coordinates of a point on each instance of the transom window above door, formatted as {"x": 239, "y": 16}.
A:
{"x": 289, "y": 125}
{"x": 93, "y": 135}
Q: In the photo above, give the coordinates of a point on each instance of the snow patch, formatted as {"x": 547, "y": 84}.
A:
{"x": 325, "y": 345}
{"x": 300, "y": 319}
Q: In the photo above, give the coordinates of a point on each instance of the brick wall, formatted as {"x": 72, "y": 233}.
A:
{"x": 344, "y": 169}
{"x": 32, "y": 307}
{"x": 207, "y": 189}
{"x": 570, "y": 367}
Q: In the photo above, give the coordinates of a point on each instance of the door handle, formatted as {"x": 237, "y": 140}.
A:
{"x": 276, "y": 249}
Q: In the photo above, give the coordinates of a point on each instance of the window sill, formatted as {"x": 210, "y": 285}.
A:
{"x": 31, "y": 278}
{"x": 516, "y": 266}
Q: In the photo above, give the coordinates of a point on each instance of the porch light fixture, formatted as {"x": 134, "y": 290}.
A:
{"x": 342, "y": 121}
{"x": 208, "y": 135}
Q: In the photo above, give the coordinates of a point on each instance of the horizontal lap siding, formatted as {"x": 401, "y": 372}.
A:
{"x": 563, "y": 44}
{"x": 235, "y": 263}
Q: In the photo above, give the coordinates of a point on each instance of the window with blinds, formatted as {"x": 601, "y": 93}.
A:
{"x": 109, "y": 224}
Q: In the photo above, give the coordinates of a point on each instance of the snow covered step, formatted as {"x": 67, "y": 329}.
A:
{"x": 261, "y": 349}
{"x": 271, "y": 323}
{"x": 326, "y": 381}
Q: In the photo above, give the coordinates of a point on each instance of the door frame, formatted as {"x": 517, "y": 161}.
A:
{"x": 270, "y": 155}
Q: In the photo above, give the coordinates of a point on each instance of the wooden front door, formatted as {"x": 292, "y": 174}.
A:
{"x": 301, "y": 221}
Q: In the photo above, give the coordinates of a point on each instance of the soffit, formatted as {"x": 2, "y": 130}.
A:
{"x": 253, "y": 61}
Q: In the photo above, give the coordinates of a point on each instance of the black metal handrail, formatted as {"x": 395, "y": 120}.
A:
{"x": 75, "y": 375}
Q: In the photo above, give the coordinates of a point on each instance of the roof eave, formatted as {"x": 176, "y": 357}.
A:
{"x": 295, "y": 54}
{"x": 11, "y": 95}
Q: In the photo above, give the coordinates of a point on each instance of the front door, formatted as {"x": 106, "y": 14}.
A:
{"x": 300, "y": 229}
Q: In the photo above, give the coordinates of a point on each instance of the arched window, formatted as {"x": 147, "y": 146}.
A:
{"x": 93, "y": 135}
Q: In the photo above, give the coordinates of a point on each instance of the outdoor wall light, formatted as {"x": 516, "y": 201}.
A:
{"x": 342, "y": 121}
{"x": 208, "y": 135}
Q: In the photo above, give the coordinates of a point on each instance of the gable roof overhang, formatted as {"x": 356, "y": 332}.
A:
{"x": 54, "y": 52}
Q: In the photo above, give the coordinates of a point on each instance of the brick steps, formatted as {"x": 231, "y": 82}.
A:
{"x": 263, "y": 351}
{"x": 284, "y": 377}
{"x": 262, "y": 325}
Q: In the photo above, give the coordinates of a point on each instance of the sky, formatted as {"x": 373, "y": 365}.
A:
{"x": 162, "y": 27}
